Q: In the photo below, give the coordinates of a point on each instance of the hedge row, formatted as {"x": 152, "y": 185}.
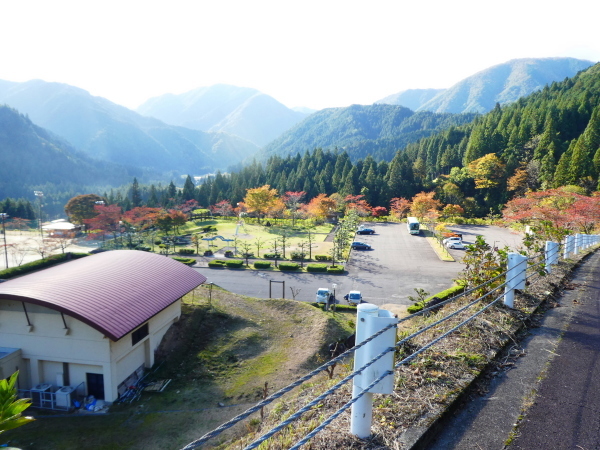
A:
{"x": 442, "y": 296}
{"x": 262, "y": 265}
{"x": 217, "y": 263}
{"x": 188, "y": 261}
{"x": 234, "y": 263}
{"x": 335, "y": 269}
{"x": 39, "y": 264}
{"x": 271, "y": 256}
{"x": 323, "y": 257}
{"x": 287, "y": 266}
{"x": 316, "y": 267}
{"x": 186, "y": 251}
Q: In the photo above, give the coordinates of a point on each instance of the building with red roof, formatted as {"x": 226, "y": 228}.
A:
{"x": 93, "y": 322}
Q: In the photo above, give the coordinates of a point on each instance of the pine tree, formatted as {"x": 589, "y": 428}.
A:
{"x": 189, "y": 189}
{"x": 136, "y": 196}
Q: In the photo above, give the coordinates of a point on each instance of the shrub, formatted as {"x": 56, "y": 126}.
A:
{"x": 142, "y": 248}
{"x": 335, "y": 269}
{"x": 271, "y": 255}
{"x": 39, "y": 264}
{"x": 288, "y": 266}
{"x": 316, "y": 267}
{"x": 209, "y": 228}
{"x": 186, "y": 251}
{"x": 298, "y": 255}
{"x": 234, "y": 263}
{"x": 262, "y": 265}
{"x": 323, "y": 257}
{"x": 157, "y": 242}
{"x": 216, "y": 263}
{"x": 188, "y": 261}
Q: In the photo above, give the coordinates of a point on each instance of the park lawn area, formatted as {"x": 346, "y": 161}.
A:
{"x": 250, "y": 233}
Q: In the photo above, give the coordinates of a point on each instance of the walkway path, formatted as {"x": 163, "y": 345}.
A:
{"x": 560, "y": 412}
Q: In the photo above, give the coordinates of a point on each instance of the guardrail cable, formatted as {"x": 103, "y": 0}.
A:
{"x": 281, "y": 392}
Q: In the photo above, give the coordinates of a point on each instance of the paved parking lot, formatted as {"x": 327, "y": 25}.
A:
{"x": 389, "y": 273}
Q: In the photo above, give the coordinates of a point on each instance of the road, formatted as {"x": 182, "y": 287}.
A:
{"x": 389, "y": 273}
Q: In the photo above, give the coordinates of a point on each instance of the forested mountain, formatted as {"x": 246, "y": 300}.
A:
{"x": 410, "y": 98}
{"x": 376, "y": 130}
{"x": 504, "y": 83}
{"x": 243, "y": 112}
{"x": 32, "y": 158}
{"x": 549, "y": 139}
{"x": 114, "y": 133}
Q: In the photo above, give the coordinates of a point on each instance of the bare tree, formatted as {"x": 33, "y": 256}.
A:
{"x": 246, "y": 247}
{"x": 62, "y": 242}
{"x": 310, "y": 238}
{"x": 259, "y": 243}
{"x": 17, "y": 251}
{"x": 295, "y": 292}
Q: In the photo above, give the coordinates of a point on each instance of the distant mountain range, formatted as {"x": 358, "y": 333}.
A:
{"x": 239, "y": 111}
{"x": 377, "y": 130}
{"x": 504, "y": 83}
{"x": 107, "y": 131}
{"x": 32, "y": 157}
{"x": 411, "y": 98}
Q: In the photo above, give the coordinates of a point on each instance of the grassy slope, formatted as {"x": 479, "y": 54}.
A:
{"x": 222, "y": 353}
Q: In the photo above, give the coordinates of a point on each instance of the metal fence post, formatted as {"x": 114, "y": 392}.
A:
{"x": 369, "y": 320}
{"x": 551, "y": 255}
{"x": 515, "y": 277}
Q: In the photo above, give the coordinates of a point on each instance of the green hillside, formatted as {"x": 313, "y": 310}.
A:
{"x": 376, "y": 130}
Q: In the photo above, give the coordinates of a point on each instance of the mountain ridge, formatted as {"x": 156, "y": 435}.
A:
{"x": 244, "y": 112}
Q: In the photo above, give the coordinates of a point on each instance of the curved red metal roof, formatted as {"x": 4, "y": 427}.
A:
{"x": 113, "y": 292}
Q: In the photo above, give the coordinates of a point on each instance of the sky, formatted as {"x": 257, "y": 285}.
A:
{"x": 315, "y": 54}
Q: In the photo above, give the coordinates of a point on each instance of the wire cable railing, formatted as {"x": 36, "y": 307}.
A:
{"x": 529, "y": 267}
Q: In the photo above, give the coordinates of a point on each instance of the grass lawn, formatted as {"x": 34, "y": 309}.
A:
{"x": 253, "y": 233}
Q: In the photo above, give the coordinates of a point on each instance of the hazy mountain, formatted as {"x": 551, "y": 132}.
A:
{"x": 411, "y": 98}
{"x": 243, "y": 112}
{"x": 378, "y": 130}
{"x": 31, "y": 156}
{"x": 114, "y": 133}
{"x": 504, "y": 83}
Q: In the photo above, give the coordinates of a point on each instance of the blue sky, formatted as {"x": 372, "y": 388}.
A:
{"x": 309, "y": 53}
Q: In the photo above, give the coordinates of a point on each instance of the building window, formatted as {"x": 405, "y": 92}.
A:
{"x": 139, "y": 334}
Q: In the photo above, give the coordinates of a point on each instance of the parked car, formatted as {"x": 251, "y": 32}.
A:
{"x": 365, "y": 231}
{"x": 456, "y": 245}
{"x": 360, "y": 246}
{"x": 353, "y": 298}
{"x": 322, "y": 295}
{"x": 451, "y": 239}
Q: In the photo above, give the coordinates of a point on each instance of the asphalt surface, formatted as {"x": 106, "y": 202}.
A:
{"x": 398, "y": 264}
{"x": 550, "y": 398}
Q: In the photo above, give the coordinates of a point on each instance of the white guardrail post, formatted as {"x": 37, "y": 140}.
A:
{"x": 369, "y": 320}
{"x": 569, "y": 241}
{"x": 577, "y": 245}
{"x": 551, "y": 255}
{"x": 515, "y": 277}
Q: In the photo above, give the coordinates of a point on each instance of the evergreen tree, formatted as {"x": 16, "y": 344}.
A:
{"x": 136, "y": 196}
{"x": 189, "y": 189}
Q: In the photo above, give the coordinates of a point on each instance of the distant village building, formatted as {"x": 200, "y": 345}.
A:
{"x": 61, "y": 228}
{"x": 94, "y": 322}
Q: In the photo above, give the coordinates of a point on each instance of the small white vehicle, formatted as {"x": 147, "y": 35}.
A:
{"x": 451, "y": 239}
{"x": 322, "y": 295}
{"x": 353, "y": 298}
{"x": 458, "y": 245}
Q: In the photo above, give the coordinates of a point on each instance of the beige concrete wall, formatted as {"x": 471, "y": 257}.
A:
{"x": 46, "y": 344}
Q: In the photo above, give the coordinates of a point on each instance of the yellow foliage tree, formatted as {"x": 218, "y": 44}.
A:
{"x": 261, "y": 200}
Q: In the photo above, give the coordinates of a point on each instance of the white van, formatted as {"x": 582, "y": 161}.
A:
{"x": 322, "y": 295}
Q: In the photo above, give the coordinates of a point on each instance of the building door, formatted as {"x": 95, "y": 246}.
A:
{"x": 95, "y": 385}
